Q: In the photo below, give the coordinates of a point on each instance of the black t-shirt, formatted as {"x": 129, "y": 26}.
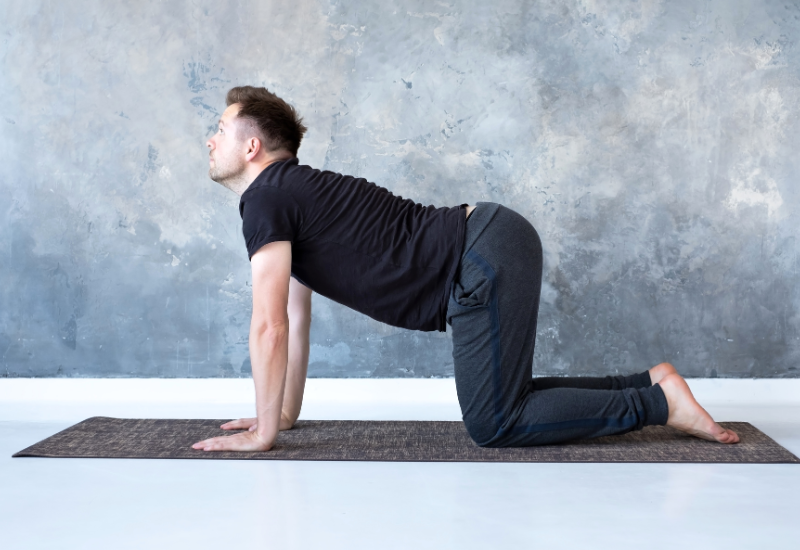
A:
{"x": 357, "y": 243}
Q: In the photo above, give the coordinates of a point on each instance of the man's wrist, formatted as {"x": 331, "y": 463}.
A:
{"x": 268, "y": 435}
{"x": 266, "y": 430}
{"x": 286, "y": 422}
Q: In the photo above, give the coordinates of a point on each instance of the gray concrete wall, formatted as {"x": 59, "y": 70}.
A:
{"x": 652, "y": 144}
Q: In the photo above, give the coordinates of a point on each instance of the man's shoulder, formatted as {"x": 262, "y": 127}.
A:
{"x": 284, "y": 174}
{"x": 293, "y": 167}
{"x": 263, "y": 198}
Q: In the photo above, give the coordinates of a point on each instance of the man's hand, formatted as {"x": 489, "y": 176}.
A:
{"x": 251, "y": 424}
{"x": 243, "y": 441}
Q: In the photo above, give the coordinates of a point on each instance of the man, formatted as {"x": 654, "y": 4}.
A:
{"x": 477, "y": 268}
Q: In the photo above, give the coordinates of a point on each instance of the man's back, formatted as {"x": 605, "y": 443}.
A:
{"x": 356, "y": 243}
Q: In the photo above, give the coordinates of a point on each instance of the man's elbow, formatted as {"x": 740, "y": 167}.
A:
{"x": 270, "y": 332}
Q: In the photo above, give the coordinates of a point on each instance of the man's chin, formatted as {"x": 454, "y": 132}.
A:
{"x": 217, "y": 177}
{"x": 226, "y": 180}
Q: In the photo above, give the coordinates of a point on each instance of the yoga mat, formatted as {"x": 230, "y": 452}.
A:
{"x": 393, "y": 440}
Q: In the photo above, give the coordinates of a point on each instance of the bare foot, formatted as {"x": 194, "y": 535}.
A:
{"x": 658, "y": 372}
{"x": 686, "y": 414}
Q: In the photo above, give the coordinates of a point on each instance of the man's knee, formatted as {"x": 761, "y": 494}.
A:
{"x": 480, "y": 430}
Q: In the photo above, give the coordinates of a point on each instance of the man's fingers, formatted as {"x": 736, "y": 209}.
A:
{"x": 210, "y": 444}
{"x": 242, "y": 423}
{"x": 236, "y": 442}
{"x": 232, "y": 425}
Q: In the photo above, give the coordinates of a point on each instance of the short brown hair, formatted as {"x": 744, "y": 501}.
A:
{"x": 281, "y": 127}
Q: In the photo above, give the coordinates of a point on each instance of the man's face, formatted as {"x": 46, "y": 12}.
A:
{"x": 227, "y": 153}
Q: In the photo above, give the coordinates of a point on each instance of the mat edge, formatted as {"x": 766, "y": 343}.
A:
{"x": 26, "y": 453}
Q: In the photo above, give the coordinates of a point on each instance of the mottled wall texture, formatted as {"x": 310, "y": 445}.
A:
{"x": 653, "y": 144}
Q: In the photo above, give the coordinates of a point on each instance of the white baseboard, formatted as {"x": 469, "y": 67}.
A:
{"x": 72, "y": 399}
{"x": 221, "y": 390}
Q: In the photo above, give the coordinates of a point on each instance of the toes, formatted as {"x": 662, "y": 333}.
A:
{"x": 728, "y": 436}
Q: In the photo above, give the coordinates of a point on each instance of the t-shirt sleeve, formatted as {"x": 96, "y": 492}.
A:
{"x": 268, "y": 214}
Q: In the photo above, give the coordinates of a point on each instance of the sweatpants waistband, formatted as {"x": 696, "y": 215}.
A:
{"x": 477, "y": 221}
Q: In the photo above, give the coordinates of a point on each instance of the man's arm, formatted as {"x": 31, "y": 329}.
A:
{"x": 299, "y": 310}
{"x": 269, "y": 351}
{"x": 269, "y": 333}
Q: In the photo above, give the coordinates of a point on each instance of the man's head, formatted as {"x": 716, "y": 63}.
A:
{"x": 257, "y": 128}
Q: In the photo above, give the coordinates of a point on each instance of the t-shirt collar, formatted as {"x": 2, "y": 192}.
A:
{"x": 265, "y": 173}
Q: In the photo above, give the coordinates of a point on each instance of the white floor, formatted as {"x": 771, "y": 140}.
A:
{"x": 176, "y": 504}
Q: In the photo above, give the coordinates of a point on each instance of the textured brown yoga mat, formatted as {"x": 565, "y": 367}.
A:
{"x": 383, "y": 440}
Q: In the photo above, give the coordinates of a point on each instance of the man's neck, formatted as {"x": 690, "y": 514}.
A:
{"x": 254, "y": 169}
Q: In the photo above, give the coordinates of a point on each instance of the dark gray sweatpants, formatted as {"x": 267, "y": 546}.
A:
{"x": 493, "y": 308}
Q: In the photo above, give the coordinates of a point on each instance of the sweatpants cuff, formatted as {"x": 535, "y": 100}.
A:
{"x": 641, "y": 380}
{"x": 655, "y": 405}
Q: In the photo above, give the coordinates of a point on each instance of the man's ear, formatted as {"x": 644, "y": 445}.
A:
{"x": 253, "y": 148}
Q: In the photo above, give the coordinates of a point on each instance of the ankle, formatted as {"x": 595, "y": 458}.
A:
{"x": 671, "y": 385}
{"x": 661, "y": 370}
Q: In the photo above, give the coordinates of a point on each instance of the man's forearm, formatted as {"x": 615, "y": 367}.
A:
{"x": 297, "y": 370}
{"x": 269, "y": 357}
